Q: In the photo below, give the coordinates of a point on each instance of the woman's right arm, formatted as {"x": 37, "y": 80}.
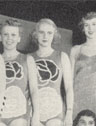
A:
{"x": 2, "y": 80}
{"x": 73, "y": 55}
{"x": 2, "y": 75}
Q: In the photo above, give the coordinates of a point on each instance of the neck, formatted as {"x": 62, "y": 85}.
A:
{"x": 10, "y": 53}
{"x": 91, "y": 42}
{"x": 44, "y": 51}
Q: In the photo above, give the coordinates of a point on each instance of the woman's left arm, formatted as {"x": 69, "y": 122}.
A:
{"x": 68, "y": 84}
{"x": 33, "y": 85}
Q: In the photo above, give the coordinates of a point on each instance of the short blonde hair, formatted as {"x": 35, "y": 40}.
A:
{"x": 12, "y": 22}
{"x": 57, "y": 35}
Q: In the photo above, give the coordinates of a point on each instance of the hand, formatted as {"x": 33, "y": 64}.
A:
{"x": 68, "y": 119}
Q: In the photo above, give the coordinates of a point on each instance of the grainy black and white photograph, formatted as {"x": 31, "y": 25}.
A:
{"x": 47, "y": 63}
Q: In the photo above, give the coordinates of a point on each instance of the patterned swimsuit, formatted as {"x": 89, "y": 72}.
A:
{"x": 49, "y": 83}
{"x": 16, "y": 100}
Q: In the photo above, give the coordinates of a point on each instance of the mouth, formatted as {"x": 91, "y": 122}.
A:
{"x": 9, "y": 43}
{"x": 90, "y": 32}
{"x": 45, "y": 41}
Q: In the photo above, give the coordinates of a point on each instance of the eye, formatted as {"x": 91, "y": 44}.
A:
{"x": 82, "y": 122}
{"x": 5, "y": 34}
{"x": 94, "y": 24}
{"x": 85, "y": 25}
{"x": 91, "y": 122}
{"x": 40, "y": 32}
{"x": 50, "y": 32}
{"x": 13, "y": 35}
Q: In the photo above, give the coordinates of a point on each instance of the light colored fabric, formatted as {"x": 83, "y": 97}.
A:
{"x": 49, "y": 84}
{"x": 16, "y": 97}
{"x": 2, "y": 80}
{"x": 85, "y": 84}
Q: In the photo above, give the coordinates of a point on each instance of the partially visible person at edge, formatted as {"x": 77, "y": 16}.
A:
{"x": 21, "y": 79}
{"x": 83, "y": 59}
{"x": 52, "y": 66}
{"x": 85, "y": 118}
{"x": 2, "y": 79}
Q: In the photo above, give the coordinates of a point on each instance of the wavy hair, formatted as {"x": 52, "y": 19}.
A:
{"x": 86, "y": 112}
{"x": 88, "y": 16}
{"x": 12, "y": 22}
{"x": 57, "y": 35}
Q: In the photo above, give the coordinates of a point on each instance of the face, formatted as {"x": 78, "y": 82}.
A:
{"x": 45, "y": 34}
{"x": 10, "y": 37}
{"x": 86, "y": 121}
{"x": 90, "y": 28}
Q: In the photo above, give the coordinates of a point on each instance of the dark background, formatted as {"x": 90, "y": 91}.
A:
{"x": 66, "y": 13}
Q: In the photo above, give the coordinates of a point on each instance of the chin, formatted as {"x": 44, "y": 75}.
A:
{"x": 44, "y": 45}
{"x": 9, "y": 48}
{"x": 91, "y": 36}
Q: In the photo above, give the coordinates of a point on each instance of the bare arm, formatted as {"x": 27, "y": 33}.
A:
{"x": 2, "y": 80}
{"x": 32, "y": 71}
{"x": 2, "y": 75}
{"x": 67, "y": 75}
{"x": 68, "y": 84}
{"x": 73, "y": 55}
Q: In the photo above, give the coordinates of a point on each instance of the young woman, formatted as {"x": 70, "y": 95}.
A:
{"x": 52, "y": 67}
{"x": 21, "y": 79}
{"x": 83, "y": 58}
{"x": 2, "y": 80}
{"x": 85, "y": 118}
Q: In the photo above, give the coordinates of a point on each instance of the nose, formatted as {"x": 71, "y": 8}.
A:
{"x": 45, "y": 35}
{"x": 90, "y": 27}
{"x": 9, "y": 37}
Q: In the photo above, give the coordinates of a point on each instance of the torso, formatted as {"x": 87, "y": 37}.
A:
{"x": 49, "y": 84}
{"x": 16, "y": 72}
{"x": 16, "y": 94}
{"x": 84, "y": 83}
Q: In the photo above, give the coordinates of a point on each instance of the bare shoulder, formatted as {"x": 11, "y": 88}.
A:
{"x": 64, "y": 55}
{"x": 65, "y": 59}
{"x": 1, "y": 58}
{"x": 75, "y": 50}
{"x": 31, "y": 63}
{"x": 30, "y": 58}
